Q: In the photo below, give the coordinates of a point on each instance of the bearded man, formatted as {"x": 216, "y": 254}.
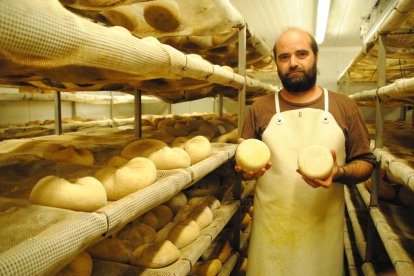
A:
{"x": 298, "y": 223}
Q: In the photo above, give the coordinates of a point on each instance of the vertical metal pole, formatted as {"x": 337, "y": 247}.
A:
{"x": 74, "y": 109}
{"x": 242, "y": 71}
{"x": 379, "y": 119}
{"x": 111, "y": 109}
{"x": 58, "y": 113}
{"x": 403, "y": 113}
{"x": 137, "y": 113}
{"x": 221, "y": 106}
{"x": 379, "y": 127}
{"x": 241, "y": 107}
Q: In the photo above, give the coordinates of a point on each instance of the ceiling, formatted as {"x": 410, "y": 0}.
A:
{"x": 269, "y": 18}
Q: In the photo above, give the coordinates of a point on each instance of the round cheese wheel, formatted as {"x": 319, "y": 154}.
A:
{"x": 163, "y": 15}
{"x": 137, "y": 174}
{"x": 252, "y": 155}
{"x": 315, "y": 162}
{"x": 80, "y": 266}
{"x": 68, "y": 154}
{"x": 142, "y": 148}
{"x": 84, "y": 194}
{"x": 170, "y": 158}
{"x": 198, "y": 148}
{"x": 183, "y": 233}
{"x": 156, "y": 255}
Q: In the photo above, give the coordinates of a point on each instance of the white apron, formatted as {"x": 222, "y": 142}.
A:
{"x": 297, "y": 229}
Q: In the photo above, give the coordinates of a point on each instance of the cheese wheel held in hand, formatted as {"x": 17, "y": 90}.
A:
{"x": 315, "y": 162}
{"x": 252, "y": 155}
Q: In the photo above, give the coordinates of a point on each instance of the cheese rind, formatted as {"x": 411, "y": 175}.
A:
{"x": 315, "y": 162}
{"x": 84, "y": 194}
{"x": 252, "y": 155}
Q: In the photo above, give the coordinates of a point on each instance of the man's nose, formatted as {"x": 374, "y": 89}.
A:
{"x": 293, "y": 61}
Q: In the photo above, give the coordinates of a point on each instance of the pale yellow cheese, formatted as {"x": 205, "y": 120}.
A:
{"x": 315, "y": 162}
{"x": 84, "y": 194}
{"x": 252, "y": 155}
{"x": 137, "y": 174}
{"x": 81, "y": 266}
{"x": 142, "y": 148}
{"x": 183, "y": 233}
{"x": 155, "y": 255}
{"x": 115, "y": 250}
{"x": 209, "y": 268}
{"x": 68, "y": 154}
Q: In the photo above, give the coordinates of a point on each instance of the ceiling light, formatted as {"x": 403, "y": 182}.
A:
{"x": 322, "y": 20}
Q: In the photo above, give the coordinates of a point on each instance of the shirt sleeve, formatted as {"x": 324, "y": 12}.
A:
{"x": 249, "y": 125}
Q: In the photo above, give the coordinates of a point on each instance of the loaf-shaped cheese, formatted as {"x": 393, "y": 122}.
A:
{"x": 117, "y": 161}
{"x": 252, "y": 155}
{"x": 142, "y": 148}
{"x": 68, "y": 154}
{"x": 115, "y": 250}
{"x": 177, "y": 201}
{"x": 80, "y": 266}
{"x": 138, "y": 232}
{"x": 170, "y": 158}
{"x": 84, "y": 194}
{"x": 156, "y": 255}
{"x": 245, "y": 221}
{"x": 137, "y": 174}
{"x": 211, "y": 201}
{"x": 220, "y": 249}
{"x": 163, "y": 15}
{"x": 183, "y": 233}
{"x": 208, "y": 268}
{"x": 198, "y": 148}
{"x": 315, "y": 162}
{"x": 158, "y": 217}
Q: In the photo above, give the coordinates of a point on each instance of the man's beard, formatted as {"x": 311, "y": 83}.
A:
{"x": 302, "y": 81}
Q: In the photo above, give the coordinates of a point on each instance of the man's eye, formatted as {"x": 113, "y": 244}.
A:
{"x": 283, "y": 58}
{"x": 302, "y": 54}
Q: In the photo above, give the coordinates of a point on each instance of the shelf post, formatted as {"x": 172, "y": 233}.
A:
{"x": 379, "y": 128}
{"x": 137, "y": 113}
{"x": 242, "y": 72}
{"x": 58, "y": 113}
{"x": 111, "y": 109}
{"x": 221, "y": 106}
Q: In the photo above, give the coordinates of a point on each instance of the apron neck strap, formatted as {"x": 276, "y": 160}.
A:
{"x": 325, "y": 119}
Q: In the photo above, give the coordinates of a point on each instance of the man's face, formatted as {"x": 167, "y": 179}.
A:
{"x": 296, "y": 63}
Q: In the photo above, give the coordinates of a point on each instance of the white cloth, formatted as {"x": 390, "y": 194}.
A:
{"x": 297, "y": 229}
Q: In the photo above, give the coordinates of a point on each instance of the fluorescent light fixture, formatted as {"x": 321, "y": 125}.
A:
{"x": 322, "y": 20}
